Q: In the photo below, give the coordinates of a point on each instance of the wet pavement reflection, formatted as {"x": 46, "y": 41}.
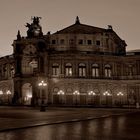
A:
{"x": 126, "y": 127}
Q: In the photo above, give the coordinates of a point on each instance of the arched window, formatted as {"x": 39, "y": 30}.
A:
{"x": 82, "y": 70}
{"x": 26, "y": 67}
{"x": 107, "y": 70}
{"x": 68, "y": 69}
{"x": 95, "y": 70}
{"x": 55, "y": 69}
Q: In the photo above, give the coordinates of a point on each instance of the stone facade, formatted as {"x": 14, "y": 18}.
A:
{"x": 79, "y": 65}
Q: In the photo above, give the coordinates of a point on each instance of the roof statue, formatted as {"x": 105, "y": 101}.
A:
{"x": 77, "y": 20}
{"x": 34, "y": 29}
{"x": 18, "y": 35}
{"x": 36, "y": 20}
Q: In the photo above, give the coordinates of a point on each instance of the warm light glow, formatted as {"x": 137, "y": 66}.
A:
{"x": 1, "y": 93}
{"x": 29, "y": 96}
{"x": 61, "y": 92}
{"x": 106, "y": 93}
{"x": 8, "y": 92}
{"x": 120, "y": 94}
{"x": 76, "y": 92}
{"x": 42, "y": 83}
{"x": 70, "y": 72}
{"x": 91, "y": 93}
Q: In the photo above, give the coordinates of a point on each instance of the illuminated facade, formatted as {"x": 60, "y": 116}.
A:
{"x": 78, "y": 65}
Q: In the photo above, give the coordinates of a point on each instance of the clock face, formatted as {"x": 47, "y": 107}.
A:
{"x": 29, "y": 49}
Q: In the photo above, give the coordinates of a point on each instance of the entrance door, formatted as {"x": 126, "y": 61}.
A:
{"x": 27, "y": 94}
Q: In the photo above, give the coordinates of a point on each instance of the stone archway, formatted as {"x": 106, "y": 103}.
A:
{"x": 27, "y": 94}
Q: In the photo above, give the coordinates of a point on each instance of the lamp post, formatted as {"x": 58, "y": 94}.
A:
{"x": 42, "y": 84}
{"x": 8, "y": 94}
{"x": 120, "y": 95}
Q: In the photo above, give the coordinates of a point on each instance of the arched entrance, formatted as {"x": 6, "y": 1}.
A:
{"x": 27, "y": 94}
{"x": 107, "y": 98}
{"x": 94, "y": 97}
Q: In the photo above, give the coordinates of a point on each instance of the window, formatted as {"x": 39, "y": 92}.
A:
{"x": 55, "y": 69}
{"x": 89, "y": 42}
{"x": 62, "y": 41}
{"x": 80, "y": 42}
{"x": 68, "y": 69}
{"x": 53, "y": 42}
{"x": 82, "y": 70}
{"x": 71, "y": 41}
{"x": 95, "y": 70}
{"x": 98, "y": 42}
{"x": 107, "y": 71}
{"x": 26, "y": 67}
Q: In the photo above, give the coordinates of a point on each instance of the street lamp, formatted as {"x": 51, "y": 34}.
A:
{"x": 8, "y": 94}
{"x": 42, "y": 84}
{"x": 120, "y": 95}
{"x": 76, "y": 93}
{"x": 92, "y": 93}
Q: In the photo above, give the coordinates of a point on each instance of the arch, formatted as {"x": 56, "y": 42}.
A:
{"x": 94, "y": 97}
{"x": 82, "y": 65}
{"x": 95, "y": 65}
{"x": 68, "y": 64}
{"x": 107, "y": 66}
{"x": 69, "y": 90}
{"x": 26, "y": 93}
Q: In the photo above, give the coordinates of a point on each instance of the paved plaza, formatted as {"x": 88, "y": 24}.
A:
{"x": 25, "y": 117}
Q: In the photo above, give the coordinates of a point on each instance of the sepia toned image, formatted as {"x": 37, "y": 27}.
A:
{"x": 69, "y": 70}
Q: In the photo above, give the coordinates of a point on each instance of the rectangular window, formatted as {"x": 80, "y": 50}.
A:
{"x": 80, "y": 42}
{"x": 26, "y": 67}
{"x": 98, "y": 42}
{"x": 89, "y": 42}
{"x": 71, "y": 41}
{"x": 53, "y": 42}
{"x": 62, "y": 41}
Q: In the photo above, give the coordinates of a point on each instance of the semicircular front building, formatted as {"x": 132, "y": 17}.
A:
{"x": 80, "y": 65}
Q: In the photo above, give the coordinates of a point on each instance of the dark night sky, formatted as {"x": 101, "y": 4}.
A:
{"x": 123, "y": 15}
